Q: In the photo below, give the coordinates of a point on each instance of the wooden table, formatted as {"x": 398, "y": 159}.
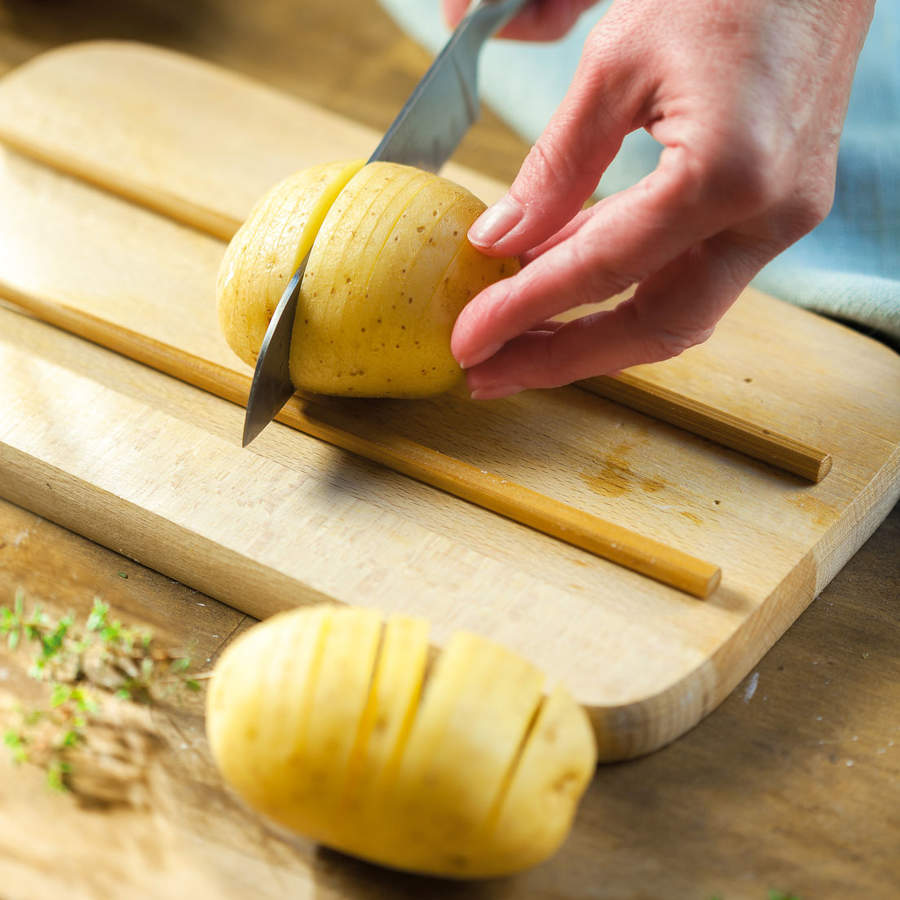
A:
{"x": 791, "y": 785}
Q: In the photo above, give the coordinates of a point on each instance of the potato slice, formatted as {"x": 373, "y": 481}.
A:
{"x": 474, "y": 716}
{"x": 555, "y": 767}
{"x": 339, "y": 696}
{"x": 388, "y": 717}
{"x": 255, "y": 726}
{"x": 331, "y": 726}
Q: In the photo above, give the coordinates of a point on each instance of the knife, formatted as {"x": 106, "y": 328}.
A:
{"x": 426, "y": 132}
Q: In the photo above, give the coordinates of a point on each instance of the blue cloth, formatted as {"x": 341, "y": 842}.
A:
{"x": 848, "y": 267}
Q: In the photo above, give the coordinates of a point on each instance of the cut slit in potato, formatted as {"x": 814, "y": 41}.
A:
{"x": 265, "y": 251}
{"x": 464, "y": 769}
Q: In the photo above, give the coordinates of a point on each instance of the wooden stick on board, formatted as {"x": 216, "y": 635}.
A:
{"x": 373, "y": 441}
{"x": 722, "y": 427}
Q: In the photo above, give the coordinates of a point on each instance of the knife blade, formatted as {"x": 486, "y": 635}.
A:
{"x": 425, "y": 133}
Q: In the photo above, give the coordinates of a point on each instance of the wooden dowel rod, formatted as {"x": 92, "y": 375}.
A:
{"x": 149, "y": 195}
{"x": 722, "y": 427}
{"x": 500, "y": 495}
{"x": 328, "y": 422}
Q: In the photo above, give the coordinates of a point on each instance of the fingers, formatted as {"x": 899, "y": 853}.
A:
{"x": 572, "y": 226}
{"x": 671, "y": 311}
{"x": 454, "y": 10}
{"x": 540, "y": 20}
{"x": 603, "y": 104}
{"x": 546, "y": 20}
{"x": 617, "y": 243}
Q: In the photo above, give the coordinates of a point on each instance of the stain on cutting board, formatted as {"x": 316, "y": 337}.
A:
{"x": 819, "y": 511}
{"x": 614, "y": 475}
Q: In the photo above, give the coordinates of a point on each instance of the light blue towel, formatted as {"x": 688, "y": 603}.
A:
{"x": 848, "y": 267}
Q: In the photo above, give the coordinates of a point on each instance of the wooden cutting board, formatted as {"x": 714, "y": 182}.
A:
{"x": 153, "y": 468}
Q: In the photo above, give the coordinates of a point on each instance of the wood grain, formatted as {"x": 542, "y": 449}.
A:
{"x": 143, "y": 166}
{"x": 758, "y": 797}
{"x": 664, "y": 664}
{"x": 329, "y": 421}
{"x": 724, "y": 428}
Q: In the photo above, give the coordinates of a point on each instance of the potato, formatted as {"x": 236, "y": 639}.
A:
{"x": 268, "y": 247}
{"x": 389, "y": 272}
{"x": 331, "y": 722}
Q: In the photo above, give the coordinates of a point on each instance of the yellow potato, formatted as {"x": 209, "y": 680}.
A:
{"x": 390, "y": 270}
{"x": 332, "y": 724}
{"x": 268, "y": 247}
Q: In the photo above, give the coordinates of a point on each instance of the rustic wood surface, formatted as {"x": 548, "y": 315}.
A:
{"x": 791, "y": 784}
{"x": 116, "y": 108}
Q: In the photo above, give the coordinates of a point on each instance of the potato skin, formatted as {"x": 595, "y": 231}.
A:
{"x": 330, "y": 722}
{"x": 266, "y": 249}
{"x": 390, "y": 270}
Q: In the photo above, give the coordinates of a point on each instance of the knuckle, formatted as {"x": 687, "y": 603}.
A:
{"x": 556, "y": 362}
{"x": 561, "y": 362}
{"x": 744, "y": 169}
{"x": 668, "y": 342}
{"x": 796, "y": 216}
{"x": 808, "y": 210}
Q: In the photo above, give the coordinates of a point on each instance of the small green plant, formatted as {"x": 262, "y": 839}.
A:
{"x": 773, "y": 895}
{"x": 80, "y": 665}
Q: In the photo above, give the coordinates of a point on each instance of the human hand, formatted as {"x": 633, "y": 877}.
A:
{"x": 747, "y": 98}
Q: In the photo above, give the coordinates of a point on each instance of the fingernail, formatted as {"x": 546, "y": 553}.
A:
{"x": 495, "y": 222}
{"x": 479, "y": 356}
{"x": 496, "y": 391}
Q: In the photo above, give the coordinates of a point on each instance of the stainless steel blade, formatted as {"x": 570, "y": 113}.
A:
{"x": 272, "y": 387}
{"x": 425, "y": 133}
{"x": 444, "y": 104}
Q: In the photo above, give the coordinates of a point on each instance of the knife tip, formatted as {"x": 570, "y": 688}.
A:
{"x": 251, "y": 432}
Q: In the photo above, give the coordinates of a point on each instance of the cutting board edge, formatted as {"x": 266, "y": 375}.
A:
{"x": 646, "y": 724}
{"x": 861, "y": 517}
{"x": 623, "y": 731}
{"x": 123, "y": 527}
{"x": 620, "y": 728}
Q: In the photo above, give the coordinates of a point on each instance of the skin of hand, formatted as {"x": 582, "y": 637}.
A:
{"x": 747, "y": 98}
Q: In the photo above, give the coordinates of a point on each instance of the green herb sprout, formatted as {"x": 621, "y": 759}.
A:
{"x": 80, "y": 665}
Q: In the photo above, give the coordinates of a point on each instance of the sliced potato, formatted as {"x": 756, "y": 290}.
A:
{"x": 474, "y": 716}
{"x": 535, "y": 814}
{"x": 390, "y": 270}
{"x": 464, "y": 770}
{"x": 261, "y": 760}
{"x": 267, "y": 249}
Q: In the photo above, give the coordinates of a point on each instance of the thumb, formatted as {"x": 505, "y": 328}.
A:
{"x": 561, "y": 171}
{"x": 454, "y": 10}
{"x": 539, "y": 20}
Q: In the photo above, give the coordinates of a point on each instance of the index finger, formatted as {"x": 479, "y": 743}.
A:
{"x": 617, "y": 243}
